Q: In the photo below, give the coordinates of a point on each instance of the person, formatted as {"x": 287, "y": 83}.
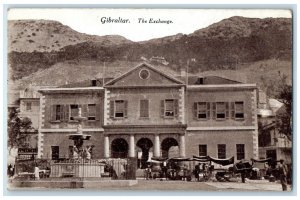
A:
{"x": 164, "y": 169}
{"x": 148, "y": 172}
{"x": 9, "y": 170}
{"x": 36, "y": 172}
{"x": 197, "y": 171}
{"x": 283, "y": 174}
{"x": 185, "y": 172}
{"x": 75, "y": 153}
{"x": 242, "y": 170}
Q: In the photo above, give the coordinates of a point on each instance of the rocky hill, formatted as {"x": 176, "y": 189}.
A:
{"x": 48, "y": 36}
{"x": 231, "y": 44}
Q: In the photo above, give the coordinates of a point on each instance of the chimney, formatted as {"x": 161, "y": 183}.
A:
{"x": 182, "y": 72}
{"x": 94, "y": 82}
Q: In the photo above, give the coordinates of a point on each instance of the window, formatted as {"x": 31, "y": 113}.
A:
{"x": 71, "y": 151}
{"x": 73, "y": 111}
{"x": 202, "y": 150}
{"x": 144, "y": 108}
{"x": 58, "y": 113}
{"x": 202, "y": 110}
{"x": 239, "y": 110}
{"x": 55, "y": 152}
{"x": 169, "y": 108}
{"x": 91, "y": 112}
{"x": 221, "y": 110}
{"x": 221, "y": 151}
{"x": 144, "y": 74}
{"x": 28, "y": 106}
{"x": 240, "y": 151}
{"x": 120, "y": 107}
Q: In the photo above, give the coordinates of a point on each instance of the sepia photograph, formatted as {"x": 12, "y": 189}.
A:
{"x": 138, "y": 99}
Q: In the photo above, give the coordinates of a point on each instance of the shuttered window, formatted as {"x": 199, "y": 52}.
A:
{"x": 144, "y": 108}
{"x": 202, "y": 110}
{"x": 58, "y": 112}
{"x": 169, "y": 108}
{"x": 239, "y": 110}
{"x": 221, "y": 110}
{"x": 118, "y": 109}
{"x": 221, "y": 151}
{"x": 91, "y": 112}
{"x": 73, "y": 111}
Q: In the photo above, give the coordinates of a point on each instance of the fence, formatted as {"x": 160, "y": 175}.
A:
{"x": 114, "y": 168}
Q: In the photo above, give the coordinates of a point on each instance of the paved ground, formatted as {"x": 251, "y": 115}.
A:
{"x": 157, "y": 185}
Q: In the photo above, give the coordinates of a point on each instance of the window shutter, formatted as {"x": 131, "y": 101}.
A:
{"x": 147, "y": 108}
{"x": 162, "y": 108}
{"x": 53, "y": 112}
{"x": 207, "y": 110}
{"x": 144, "y": 108}
{"x": 227, "y": 110}
{"x": 84, "y": 110}
{"x": 112, "y": 109}
{"x": 214, "y": 110}
{"x": 195, "y": 110}
{"x": 62, "y": 113}
{"x": 176, "y": 107}
{"x": 125, "y": 108}
{"x": 66, "y": 112}
{"x": 49, "y": 111}
{"x": 232, "y": 110}
{"x": 98, "y": 111}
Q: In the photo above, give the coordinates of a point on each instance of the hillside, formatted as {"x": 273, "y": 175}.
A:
{"x": 48, "y": 36}
{"x": 234, "y": 44}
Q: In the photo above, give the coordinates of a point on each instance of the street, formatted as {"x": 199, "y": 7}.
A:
{"x": 180, "y": 186}
{"x": 157, "y": 185}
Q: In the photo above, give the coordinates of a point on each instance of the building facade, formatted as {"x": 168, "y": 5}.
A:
{"x": 146, "y": 112}
{"x": 272, "y": 144}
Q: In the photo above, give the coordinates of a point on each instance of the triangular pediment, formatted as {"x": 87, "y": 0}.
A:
{"x": 144, "y": 74}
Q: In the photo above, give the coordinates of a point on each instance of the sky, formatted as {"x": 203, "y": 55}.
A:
{"x": 184, "y": 21}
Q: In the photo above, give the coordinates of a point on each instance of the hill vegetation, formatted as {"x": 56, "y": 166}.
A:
{"x": 258, "y": 48}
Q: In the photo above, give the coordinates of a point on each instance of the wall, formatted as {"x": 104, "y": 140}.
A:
{"x": 33, "y": 114}
{"x": 213, "y": 138}
{"x": 75, "y": 98}
{"x": 62, "y": 140}
{"x": 134, "y": 95}
{"x": 221, "y": 96}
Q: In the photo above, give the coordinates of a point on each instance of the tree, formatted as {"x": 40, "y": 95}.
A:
{"x": 17, "y": 129}
{"x": 284, "y": 114}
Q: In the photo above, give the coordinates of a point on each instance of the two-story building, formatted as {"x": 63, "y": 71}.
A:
{"x": 146, "y": 112}
{"x": 58, "y": 107}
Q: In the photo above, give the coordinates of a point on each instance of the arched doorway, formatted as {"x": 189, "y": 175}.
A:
{"x": 145, "y": 144}
{"x": 119, "y": 148}
{"x": 169, "y": 144}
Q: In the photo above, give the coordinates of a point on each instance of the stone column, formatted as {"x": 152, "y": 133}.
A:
{"x": 156, "y": 146}
{"x": 131, "y": 147}
{"x": 106, "y": 147}
{"x": 182, "y": 146}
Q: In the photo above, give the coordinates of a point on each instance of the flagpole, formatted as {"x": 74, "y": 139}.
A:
{"x": 186, "y": 92}
{"x": 103, "y": 74}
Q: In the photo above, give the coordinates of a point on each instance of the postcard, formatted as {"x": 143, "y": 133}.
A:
{"x": 150, "y": 99}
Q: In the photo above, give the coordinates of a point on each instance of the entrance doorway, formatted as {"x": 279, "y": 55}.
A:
{"x": 119, "y": 148}
{"x": 145, "y": 144}
{"x": 169, "y": 147}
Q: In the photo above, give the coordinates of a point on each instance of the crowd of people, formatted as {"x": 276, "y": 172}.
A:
{"x": 204, "y": 171}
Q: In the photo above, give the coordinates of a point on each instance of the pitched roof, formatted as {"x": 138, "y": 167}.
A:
{"x": 149, "y": 66}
